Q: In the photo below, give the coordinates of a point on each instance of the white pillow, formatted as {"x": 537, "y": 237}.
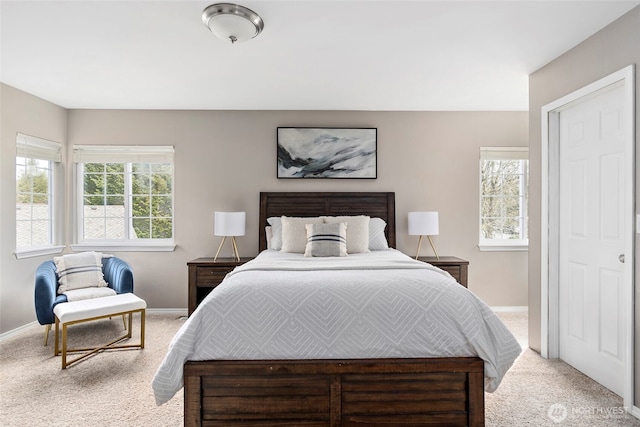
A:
{"x": 377, "y": 239}
{"x": 294, "y": 233}
{"x": 76, "y": 271}
{"x": 89, "y": 293}
{"x": 268, "y": 231}
{"x": 276, "y": 232}
{"x": 326, "y": 240}
{"x": 357, "y": 231}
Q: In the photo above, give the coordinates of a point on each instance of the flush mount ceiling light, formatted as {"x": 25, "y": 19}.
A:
{"x": 232, "y": 22}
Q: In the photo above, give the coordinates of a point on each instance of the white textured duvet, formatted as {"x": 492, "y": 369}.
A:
{"x": 375, "y": 305}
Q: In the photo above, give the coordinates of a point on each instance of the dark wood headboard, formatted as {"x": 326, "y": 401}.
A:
{"x": 303, "y": 204}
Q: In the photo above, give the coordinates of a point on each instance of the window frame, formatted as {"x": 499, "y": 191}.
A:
{"x": 33, "y": 148}
{"x": 126, "y": 155}
{"x": 505, "y": 153}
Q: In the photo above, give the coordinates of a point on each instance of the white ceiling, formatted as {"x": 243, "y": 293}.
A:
{"x": 312, "y": 55}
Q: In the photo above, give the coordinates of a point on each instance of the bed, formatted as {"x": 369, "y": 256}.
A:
{"x": 236, "y": 375}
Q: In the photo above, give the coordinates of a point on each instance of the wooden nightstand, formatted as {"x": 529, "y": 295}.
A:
{"x": 204, "y": 275}
{"x": 457, "y": 267}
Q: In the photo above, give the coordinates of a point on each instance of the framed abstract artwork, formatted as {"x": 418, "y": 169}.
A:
{"x": 327, "y": 152}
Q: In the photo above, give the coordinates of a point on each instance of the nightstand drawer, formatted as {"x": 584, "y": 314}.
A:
{"x": 206, "y": 276}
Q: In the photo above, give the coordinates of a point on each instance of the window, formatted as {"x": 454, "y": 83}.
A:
{"x": 125, "y": 197}
{"x": 504, "y": 195}
{"x": 37, "y": 161}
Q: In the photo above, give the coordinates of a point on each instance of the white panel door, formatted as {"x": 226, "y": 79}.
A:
{"x": 591, "y": 237}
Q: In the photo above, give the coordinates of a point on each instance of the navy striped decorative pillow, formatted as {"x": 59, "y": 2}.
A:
{"x": 326, "y": 240}
{"x": 82, "y": 270}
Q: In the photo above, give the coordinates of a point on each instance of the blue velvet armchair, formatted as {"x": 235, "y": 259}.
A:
{"x": 117, "y": 274}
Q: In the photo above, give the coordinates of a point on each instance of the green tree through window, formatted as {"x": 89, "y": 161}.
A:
{"x": 128, "y": 201}
{"x": 33, "y": 182}
{"x": 33, "y": 203}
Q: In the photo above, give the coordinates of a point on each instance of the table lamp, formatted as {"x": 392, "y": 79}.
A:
{"x": 424, "y": 224}
{"x": 229, "y": 224}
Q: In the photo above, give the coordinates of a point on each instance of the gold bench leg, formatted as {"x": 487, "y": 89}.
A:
{"x": 109, "y": 346}
{"x": 64, "y": 346}
{"x": 143, "y": 314}
{"x": 56, "y": 341}
{"x": 130, "y": 329}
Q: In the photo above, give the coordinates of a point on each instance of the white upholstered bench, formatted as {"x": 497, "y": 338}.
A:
{"x": 70, "y": 313}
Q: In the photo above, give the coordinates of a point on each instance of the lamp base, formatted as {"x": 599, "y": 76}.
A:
{"x": 432, "y": 247}
{"x": 235, "y": 248}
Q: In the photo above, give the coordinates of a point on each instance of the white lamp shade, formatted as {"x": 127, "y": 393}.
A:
{"x": 423, "y": 224}
{"x": 229, "y": 223}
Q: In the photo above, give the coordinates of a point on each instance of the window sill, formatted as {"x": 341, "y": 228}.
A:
{"x": 124, "y": 247}
{"x": 39, "y": 251}
{"x": 503, "y": 248}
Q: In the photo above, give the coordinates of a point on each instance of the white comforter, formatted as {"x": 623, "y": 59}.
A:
{"x": 376, "y": 305}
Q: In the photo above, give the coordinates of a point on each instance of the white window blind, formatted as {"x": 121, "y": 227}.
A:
{"x": 122, "y": 154}
{"x": 504, "y": 153}
{"x": 30, "y": 147}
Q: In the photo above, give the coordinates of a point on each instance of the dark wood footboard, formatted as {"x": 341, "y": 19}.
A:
{"x": 302, "y": 393}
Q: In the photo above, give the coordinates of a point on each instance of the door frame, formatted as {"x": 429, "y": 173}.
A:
{"x": 549, "y": 227}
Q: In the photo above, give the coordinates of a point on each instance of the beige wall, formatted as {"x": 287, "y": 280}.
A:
{"x": 613, "y": 48}
{"x": 223, "y": 159}
{"x": 20, "y": 112}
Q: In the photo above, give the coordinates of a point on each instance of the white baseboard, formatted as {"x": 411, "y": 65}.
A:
{"x": 635, "y": 411}
{"x": 12, "y": 332}
{"x": 178, "y": 312}
{"x": 504, "y": 308}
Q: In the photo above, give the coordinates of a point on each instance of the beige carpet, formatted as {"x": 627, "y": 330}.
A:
{"x": 108, "y": 389}
{"x": 114, "y": 389}
{"x": 539, "y": 392}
